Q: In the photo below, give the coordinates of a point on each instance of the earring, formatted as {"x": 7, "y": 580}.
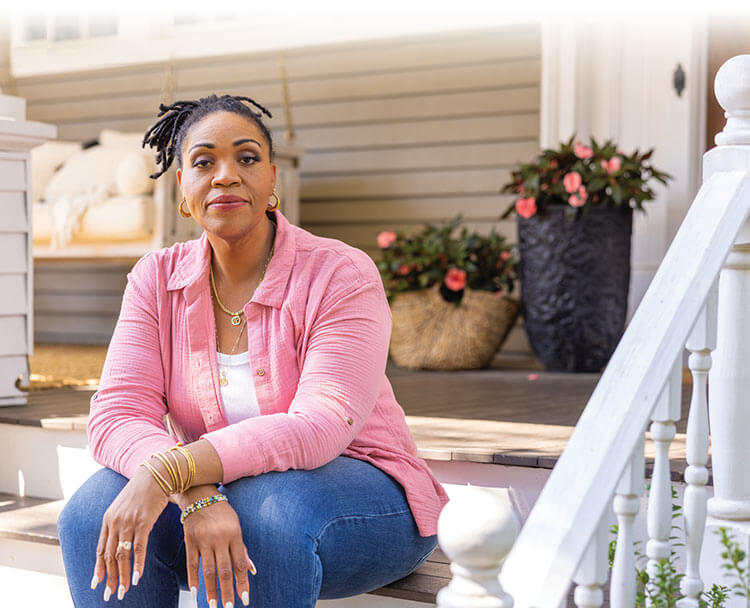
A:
{"x": 275, "y": 206}
{"x": 183, "y": 213}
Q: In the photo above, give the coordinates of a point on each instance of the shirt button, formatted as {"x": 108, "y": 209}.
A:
{"x": 261, "y": 372}
{"x": 350, "y": 421}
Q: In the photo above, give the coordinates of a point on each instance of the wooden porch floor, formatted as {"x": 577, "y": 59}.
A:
{"x": 511, "y": 413}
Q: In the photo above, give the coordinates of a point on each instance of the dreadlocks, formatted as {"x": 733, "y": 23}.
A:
{"x": 167, "y": 134}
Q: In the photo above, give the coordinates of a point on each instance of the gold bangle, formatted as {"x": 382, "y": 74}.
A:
{"x": 170, "y": 471}
{"x": 178, "y": 469}
{"x": 157, "y": 477}
{"x": 190, "y": 465}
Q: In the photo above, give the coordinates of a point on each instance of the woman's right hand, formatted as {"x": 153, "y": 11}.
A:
{"x": 125, "y": 529}
{"x": 213, "y": 535}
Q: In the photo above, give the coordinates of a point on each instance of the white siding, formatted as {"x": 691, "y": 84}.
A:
{"x": 396, "y": 132}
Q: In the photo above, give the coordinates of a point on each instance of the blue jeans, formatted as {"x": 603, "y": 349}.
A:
{"x": 336, "y": 531}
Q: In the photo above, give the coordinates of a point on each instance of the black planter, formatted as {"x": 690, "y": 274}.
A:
{"x": 575, "y": 275}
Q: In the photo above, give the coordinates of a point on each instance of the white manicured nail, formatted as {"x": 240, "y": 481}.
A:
{"x": 136, "y": 577}
{"x": 194, "y": 593}
{"x": 245, "y": 598}
{"x": 212, "y": 604}
{"x": 121, "y": 592}
{"x": 253, "y": 571}
{"x": 229, "y": 605}
{"x": 94, "y": 581}
{"x": 107, "y": 594}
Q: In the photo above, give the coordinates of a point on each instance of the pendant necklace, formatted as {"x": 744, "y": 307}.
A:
{"x": 223, "y": 381}
{"x": 236, "y": 316}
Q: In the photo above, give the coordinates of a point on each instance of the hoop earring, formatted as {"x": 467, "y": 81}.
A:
{"x": 275, "y": 206}
{"x": 183, "y": 213}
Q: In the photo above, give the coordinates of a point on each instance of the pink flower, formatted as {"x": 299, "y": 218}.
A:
{"x": 572, "y": 181}
{"x": 505, "y": 256}
{"x": 455, "y": 279}
{"x": 612, "y": 165}
{"x": 385, "y": 239}
{"x": 403, "y": 270}
{"x": 582, "y": 152}
{"x": 526, "y": 207}
{"x": 579, "y": 198}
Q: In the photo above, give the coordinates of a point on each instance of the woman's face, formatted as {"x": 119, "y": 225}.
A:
{"x": 226, "y": 175}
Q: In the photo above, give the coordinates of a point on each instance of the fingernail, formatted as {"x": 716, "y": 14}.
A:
{"x": 136, "y": 577}
{"x": 107, "y": 594}
{"x": 212, "y": 604}
{"x": 245, "y": 598}
{"x": 121, "y": 592}
{"x": 94, "y": 581}
{"x": 194, "y": 593}
{"x": 253, "y": 571}
{"x": 229, "y": 605}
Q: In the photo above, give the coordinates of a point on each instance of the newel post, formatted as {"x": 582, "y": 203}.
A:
{"x": 729, "y": 381}
{"x": 476, "y": 531}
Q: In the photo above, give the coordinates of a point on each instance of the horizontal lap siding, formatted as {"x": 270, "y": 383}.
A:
{"x": 396, "y": 132}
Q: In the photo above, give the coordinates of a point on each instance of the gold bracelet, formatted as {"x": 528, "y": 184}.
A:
{"x": 170, "y": 470}
{"x": 190, "y": 463}
{"x": 157, "y": 477}
{"x": 180, "y": 488}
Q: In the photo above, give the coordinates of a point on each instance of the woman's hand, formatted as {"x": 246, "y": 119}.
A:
{"x": 213, "y": 535}
{"x": 125, "y": 529}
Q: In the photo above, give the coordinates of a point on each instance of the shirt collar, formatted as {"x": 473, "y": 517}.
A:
{"x": 191, "y": 270}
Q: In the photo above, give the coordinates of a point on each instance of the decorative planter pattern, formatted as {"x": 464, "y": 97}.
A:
{"x": 575, "y": 275}
{"x": 431, "y": 333}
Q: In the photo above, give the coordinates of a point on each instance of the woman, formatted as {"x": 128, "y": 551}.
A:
{"x": 265, "y": 348}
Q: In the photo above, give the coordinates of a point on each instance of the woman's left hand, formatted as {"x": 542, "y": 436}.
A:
{"x": 125, "y": 529}
{"x": 213, "y": 537}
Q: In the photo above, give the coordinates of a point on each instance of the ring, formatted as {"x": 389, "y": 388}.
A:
{"x": 125, "y": 544}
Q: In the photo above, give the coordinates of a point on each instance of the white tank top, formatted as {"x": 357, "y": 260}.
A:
{"x": 237, "y": 388}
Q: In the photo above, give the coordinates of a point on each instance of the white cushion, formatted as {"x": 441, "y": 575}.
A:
{"x": 93, "y": 168}
{"x": 133, "y": 175}
{"x": 110, "y": 137}
{"x": 45, "y": 160}
{"x": 118, "y": 219}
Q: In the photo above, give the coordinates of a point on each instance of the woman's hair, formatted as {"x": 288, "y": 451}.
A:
{"x": 167, "y": 134}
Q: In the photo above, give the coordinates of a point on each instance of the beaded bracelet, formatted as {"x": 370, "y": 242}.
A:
{"x": 201, "y": 504}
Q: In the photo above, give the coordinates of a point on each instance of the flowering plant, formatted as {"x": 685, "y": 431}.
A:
{"x": 580, "y": 176}
{"x": 433, "y": 256}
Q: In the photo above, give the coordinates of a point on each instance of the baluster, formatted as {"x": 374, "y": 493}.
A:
{"x": 666, "y": 413}
{"x": 476, "y": 530}
{"x": 626, "y": 505}
{"x": 592, "y": 571}
{"x": 701, "y": 342}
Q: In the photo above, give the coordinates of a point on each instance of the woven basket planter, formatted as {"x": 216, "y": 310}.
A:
{"x": 430, "y": 333}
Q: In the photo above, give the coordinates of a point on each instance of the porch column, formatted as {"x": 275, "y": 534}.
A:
{"x": 729, "y": 382}
{"x": 17, "y": 137}
{"x": 729, "y": 379}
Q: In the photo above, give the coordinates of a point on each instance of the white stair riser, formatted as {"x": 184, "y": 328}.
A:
{"x": 31, "y": 461}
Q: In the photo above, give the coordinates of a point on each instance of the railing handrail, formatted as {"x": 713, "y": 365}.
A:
{"x": 539, "y": 569}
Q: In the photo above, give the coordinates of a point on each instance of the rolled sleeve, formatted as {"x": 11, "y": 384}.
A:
{"x": 340, "y": 381}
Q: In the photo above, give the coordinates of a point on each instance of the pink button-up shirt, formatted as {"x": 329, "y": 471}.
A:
{"x": 318, "y": 330}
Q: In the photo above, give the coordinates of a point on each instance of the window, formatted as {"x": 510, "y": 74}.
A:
{"x": 60, "y": 27}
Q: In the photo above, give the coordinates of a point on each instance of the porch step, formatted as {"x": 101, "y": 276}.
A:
{"x": 29, "y": 541}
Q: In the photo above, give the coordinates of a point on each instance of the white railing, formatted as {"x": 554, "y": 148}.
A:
{"x": 564, "y": 539}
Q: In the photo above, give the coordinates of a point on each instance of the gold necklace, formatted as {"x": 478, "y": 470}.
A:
{"x": 223, "y": 381}
{"x": 236, "y": 315}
